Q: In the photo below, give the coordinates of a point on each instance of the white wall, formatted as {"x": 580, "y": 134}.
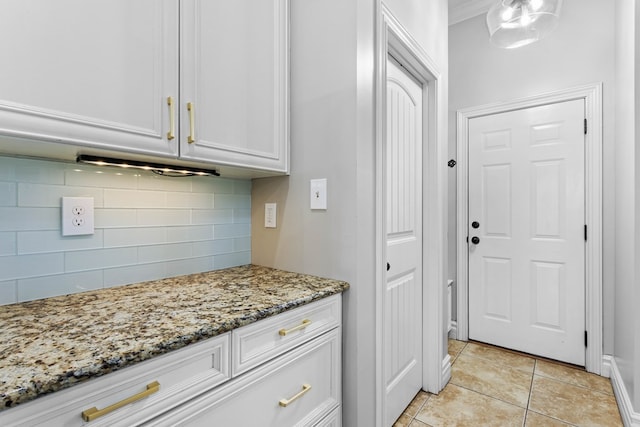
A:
{"x": 146, "y": 227}
{"x": 579, "y": 51}
{"x": 332, "y": 136}
{"x": 627, "y": 180}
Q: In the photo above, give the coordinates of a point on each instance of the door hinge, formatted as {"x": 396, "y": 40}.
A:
{"x": 585, "y": 338}
{"x": 585, "y": 126}
{"x": 585, "y": 232}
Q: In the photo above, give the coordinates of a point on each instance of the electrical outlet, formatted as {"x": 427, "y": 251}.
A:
{"x": 77, "y": 216}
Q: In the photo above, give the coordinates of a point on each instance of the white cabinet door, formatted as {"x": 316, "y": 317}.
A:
{"x": 94, "y": 73}
{"x": 234, "y": 74}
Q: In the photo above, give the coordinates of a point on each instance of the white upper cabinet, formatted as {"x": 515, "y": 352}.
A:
{"x": 234, "y": 74}
{"x": 99, "y": 74}
{"x": 94, "y": 73}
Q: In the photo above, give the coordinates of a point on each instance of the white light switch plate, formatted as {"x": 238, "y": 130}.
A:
{"x": 77, "y": 216}
{"x": 270, "y": 215}
{"x": 318, "y": 195}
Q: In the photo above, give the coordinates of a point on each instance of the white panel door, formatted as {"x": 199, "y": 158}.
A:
{"x": 234, "y": 72}
{"x": 92, "y": 73}
{"x": 403, "y": 295}
{"x": 526, "y": 207}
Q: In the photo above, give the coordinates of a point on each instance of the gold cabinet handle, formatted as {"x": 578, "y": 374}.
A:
{"x": 172, "y": 119}
{"x": 304, "y": 324}
{"x": 192, "y": 124}
{"x": 285, "y": 402}
{"x": 93, "y": 413}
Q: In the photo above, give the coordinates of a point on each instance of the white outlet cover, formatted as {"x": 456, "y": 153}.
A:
{"x": 318, "y": 194}
{"x": 77, "y": 216}
{"x": 270, "y": 215}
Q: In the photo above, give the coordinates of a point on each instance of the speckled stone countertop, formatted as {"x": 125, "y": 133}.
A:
{"x": 51, "y": 344}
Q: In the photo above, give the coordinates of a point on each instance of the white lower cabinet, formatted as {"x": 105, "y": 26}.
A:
{"x": 287, "y": 372}
{"x": 297, "y": 389}
{"x": 166, "y": 380}
{"x": 334, "y": 419}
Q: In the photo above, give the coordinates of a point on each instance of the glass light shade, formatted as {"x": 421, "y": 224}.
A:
{"x": 515, "y": 23}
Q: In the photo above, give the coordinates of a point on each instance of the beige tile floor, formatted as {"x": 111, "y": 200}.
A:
{"x": 494, "y": 387}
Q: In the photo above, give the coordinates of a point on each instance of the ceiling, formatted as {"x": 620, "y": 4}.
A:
{"x": 459, "y": 10}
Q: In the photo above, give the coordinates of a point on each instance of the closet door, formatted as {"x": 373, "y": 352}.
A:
{"x": 90, "y": 72}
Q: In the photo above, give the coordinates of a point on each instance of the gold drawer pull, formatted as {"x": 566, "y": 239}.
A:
{"x": 284, "y": 402}
{"x": 304, "y": 324}
{"x": 192, "y": 124}
{"x": 93, "y": 413}
{"x": 172, "y": 119}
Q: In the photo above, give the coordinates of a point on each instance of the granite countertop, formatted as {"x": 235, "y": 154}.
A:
{"x": 51, "y": 344}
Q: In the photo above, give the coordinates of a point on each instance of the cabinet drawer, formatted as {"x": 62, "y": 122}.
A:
{"x": 255, "y": 398}
{"x": 180, "y": 374}
{"x": 259, "y": 342}
{"x": 334, "y": 419}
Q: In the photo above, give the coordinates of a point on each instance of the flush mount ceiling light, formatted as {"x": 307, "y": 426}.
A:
{"x": 516, "y": 23}
{"x": 157, "y": 168}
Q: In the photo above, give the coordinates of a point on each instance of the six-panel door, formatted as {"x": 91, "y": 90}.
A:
{"x": 526, "y": 256}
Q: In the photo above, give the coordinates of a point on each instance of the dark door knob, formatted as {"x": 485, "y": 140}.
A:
{"x": 388, "y": 266}
{"x": 475, "y": 240}
{"x": 475, "y": 224}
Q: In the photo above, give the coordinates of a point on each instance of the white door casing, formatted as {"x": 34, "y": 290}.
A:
{"x": 392, "y": 38}
{"x": 526, "y": 198}
{"x": 403, "y": 294}
{"x": 592, "y": 96}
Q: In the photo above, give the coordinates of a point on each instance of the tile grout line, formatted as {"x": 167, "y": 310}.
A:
{"x": 489, "y": 396}
{"x": 554, "y": 418}
{"x": 575, "y": 385}
{"x": 533, "y": 374}
{"x": 493, "y": 362}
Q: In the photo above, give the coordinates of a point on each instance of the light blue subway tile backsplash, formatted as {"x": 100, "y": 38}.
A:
{"x": 194, "y": 200}
{"x": 34, "y": 242}
{"x": 120, "y": 237}
{"x": 232, "y": 259}
{"x": 136, "y": 273}
{"x": 48, "y": 196}
{"x": 194, "y": 233}
{"x": 187, "y": 266}
{"x": 8, "y": 245}
{"x": 8, "y": 293}
{"x": 60, "y": 284}
{"x": 8, "y": 194}
{"x": 242, "y": 216}
{"x": 22, "y": 266}
{"x": 164, "y": 217}
{"x": 222, "y": 231}
{"x": 25, "y": 219}
{"x": 147, "y": 227}
{"x": 81, "y": 176}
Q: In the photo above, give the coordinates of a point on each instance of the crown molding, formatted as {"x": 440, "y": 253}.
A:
{"x": 461, "y": 10}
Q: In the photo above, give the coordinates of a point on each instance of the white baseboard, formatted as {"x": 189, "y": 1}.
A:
{"x": 605, "y": 369}
{"x": 446, "y": 370}
{"x": 630, "y": 418}
{"x": 453, "y": 330}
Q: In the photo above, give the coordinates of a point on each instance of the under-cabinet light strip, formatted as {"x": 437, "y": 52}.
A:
{"x": 158, "y": 168}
